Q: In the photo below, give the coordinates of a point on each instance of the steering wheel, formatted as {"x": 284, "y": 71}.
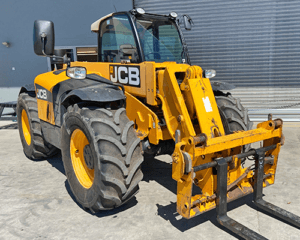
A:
{"x": 146, "y": 55}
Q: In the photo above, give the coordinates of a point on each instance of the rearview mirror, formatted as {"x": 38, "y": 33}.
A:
{"x": 187, "y": 21}
{"x": 43, "y": 37}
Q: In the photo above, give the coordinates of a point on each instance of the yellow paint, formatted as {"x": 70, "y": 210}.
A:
{"x": 194, "y": 100}
{"x": 26, "y": 127}
{"x": 228, "y": 145}
{"x": 146, "y": 121}
{"x": 45, "y": 111}
{"x": 173, "y": 104}
{"x": 238, "y": 139}
{"x": 175, "y": 97}
{"x": 204, "y": 102}
{"x": 150, "y": 83}
{"x": 77, "y": 143}
{"x": 49, "y": 80}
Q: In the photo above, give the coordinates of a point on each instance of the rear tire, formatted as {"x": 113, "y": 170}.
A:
{"x": 233, "y": 115}
{"x": 34, "y": 145}
{"x": 114, "y": 160}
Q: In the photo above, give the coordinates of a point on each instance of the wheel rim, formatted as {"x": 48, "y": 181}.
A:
{"x": 26, "y": 127}
{"x": 84, "y": 175}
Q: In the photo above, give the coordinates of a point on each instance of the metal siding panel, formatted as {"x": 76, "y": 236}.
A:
{"x": 252, "y": 44}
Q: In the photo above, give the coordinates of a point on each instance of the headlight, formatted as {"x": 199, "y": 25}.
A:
{"x": 173, "y": 14}
{"x": 210, "y": 73}
{"x": 76, "y": 72}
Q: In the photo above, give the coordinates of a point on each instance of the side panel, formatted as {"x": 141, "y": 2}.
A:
{"x": 51, "y": 134}
{"x": 50, "y": 79}
{"x": 44, "y": 84}
{"x": 120, "y": 73}
{"x": 45, "y": 105}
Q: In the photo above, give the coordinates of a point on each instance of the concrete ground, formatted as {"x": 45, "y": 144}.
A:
{"x": 36, "y": 201}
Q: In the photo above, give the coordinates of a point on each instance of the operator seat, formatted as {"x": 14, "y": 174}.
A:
{"x": 127, "y": 51}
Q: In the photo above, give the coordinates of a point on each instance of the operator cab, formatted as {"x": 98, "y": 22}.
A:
{"x": 135, "y": 37}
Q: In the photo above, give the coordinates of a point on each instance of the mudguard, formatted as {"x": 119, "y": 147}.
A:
{"x": 27, "y": 88}
{"x": 97, "y": 93}
{"x": 92, "y": 89}
{"x": 219, "y": 86}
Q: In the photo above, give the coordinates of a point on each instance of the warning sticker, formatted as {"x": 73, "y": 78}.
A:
{"x": 207, "y": 104}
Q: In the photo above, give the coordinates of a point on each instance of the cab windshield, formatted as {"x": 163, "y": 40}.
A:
{"x": 159, "y": 39}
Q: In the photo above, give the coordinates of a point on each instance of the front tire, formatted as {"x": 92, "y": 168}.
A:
{"x": 101, "y": 155}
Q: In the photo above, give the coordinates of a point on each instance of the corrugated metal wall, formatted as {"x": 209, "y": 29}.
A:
{"x": 252, "y": 44}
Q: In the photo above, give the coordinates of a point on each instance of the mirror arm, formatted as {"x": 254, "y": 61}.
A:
{"x": 190, "y": 20}
{"x": 186, "y": 52}
{"x": 43, "y": 36}
{"x": 65, "y": 58}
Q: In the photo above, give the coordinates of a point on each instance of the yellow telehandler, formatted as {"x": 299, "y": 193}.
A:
{"x": 142, "y": 96}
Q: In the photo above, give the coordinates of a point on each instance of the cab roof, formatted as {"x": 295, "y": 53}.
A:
{"x": 95, "y": 25}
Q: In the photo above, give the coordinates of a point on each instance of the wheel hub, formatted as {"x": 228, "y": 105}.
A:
{"x": 26, "y": 127}
{"x": 82, "y": 158}
{"x": 88, "y": 158}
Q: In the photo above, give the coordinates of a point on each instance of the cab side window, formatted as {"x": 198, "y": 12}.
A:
{"x": 117, "y": 40}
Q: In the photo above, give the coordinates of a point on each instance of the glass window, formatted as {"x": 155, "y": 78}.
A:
{"x": 117, "y": 40}
{"x": 159, "y": 39}
{"x": 169, "y": 38}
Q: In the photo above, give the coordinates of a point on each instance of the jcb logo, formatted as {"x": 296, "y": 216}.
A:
{"x": 42, "y": 94}
{"x": 125, "y": 75}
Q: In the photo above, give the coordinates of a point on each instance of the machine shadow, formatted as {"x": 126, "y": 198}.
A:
{"x": 253, "y": 206}
{"x": 106, "y": 213}
{"x": 10, "y": 126}
{"x": 161, "y": 172}
{"x": 57, "y": 163}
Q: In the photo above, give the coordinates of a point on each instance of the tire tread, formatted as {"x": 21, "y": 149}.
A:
{"x": 236, "y": 116}
{"x": 118, "y": 151}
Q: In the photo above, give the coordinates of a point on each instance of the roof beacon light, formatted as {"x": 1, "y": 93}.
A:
{"x": 140, "y": 11}
{"x": 173, "y": 14}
